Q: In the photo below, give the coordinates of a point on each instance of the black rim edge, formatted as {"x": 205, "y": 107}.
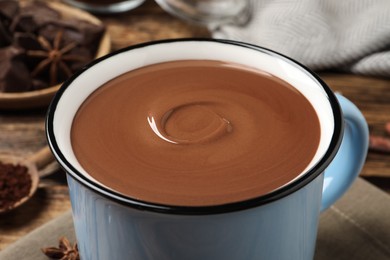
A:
{"x": 199, "y": 210}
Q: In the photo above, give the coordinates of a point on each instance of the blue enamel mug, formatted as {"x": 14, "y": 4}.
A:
{"x": 279, "y": 225}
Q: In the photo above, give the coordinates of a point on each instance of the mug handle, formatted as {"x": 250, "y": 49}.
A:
{"x": 350, "y": 158}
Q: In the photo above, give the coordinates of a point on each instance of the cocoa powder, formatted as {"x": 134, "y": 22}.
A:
{"x": 15, "y": 183}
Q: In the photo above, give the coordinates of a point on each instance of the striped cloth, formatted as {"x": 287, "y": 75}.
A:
{"x": 348, "y": 35}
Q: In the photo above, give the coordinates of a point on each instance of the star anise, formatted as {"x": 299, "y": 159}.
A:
{"x": 64, "y": 251}
{"x": 55, "y": 57}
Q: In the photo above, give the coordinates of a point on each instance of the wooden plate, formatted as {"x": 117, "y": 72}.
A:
{"x": 42, "y": 97}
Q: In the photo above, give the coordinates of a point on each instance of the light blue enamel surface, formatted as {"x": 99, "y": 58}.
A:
{"x": 282, "y": 230}
{"x": 350, "y": 158}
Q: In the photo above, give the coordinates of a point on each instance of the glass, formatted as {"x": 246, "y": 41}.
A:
{"x": 209, "y": 12}
{"x": 105, "y": 6}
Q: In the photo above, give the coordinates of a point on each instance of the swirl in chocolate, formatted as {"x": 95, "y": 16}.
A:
{"x": 189, "y": 124}
{"x": 195, "y": 133}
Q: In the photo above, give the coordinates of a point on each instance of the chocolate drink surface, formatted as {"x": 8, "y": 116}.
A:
{"x": 195, "y": 133}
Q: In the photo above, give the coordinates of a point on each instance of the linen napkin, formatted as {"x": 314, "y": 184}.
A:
{"x": 356, "y": 227}
{"x": 349, "y": 35}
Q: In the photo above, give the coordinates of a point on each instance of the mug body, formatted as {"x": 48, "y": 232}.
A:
{"x": 284, "y": 229}
{"x": 279, "y": 225}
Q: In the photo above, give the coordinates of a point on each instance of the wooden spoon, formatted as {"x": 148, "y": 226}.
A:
{"x": 33, "y": 163}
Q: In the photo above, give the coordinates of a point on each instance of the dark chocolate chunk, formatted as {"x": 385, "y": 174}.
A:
{"x": 86, "y": 55}
{"x": 14, "y": 75}
{"x": 8, "y": 9}
{"x": 92, "y": 32}
{"x": 31, "y": 17}
{"x": 26, "y": 41}
{"x": 5, "y": 36}
{"x": 24, "y": 23}
{"x": 39, "y": 8}
{"x": 47, "y": 48}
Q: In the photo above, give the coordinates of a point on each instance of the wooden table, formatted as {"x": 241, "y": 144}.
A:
{"x": 22, "y": 133}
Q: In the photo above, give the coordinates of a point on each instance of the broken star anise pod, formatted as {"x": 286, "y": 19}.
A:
{"x": 55, "y": 57}
{"x": 64, "y": 251}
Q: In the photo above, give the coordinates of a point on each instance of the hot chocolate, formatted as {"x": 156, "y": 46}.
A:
{"x": 195, "y": 133}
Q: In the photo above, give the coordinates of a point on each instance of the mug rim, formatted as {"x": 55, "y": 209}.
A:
{"x": 284, "y": 191}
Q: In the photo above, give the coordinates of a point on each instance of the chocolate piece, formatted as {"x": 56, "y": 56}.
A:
{"x": 32, "y": 29}
{"x": 26, "y": 41}
{"x": 14, "y": 75}
{"x": 24, "y": 23}
{"x": 8, "y": 10}
{"x": 5, "y": 36}
{"x": 92, "y": 33}
{"x": 86, "y": 54}
{"x": 33, "y": 16}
